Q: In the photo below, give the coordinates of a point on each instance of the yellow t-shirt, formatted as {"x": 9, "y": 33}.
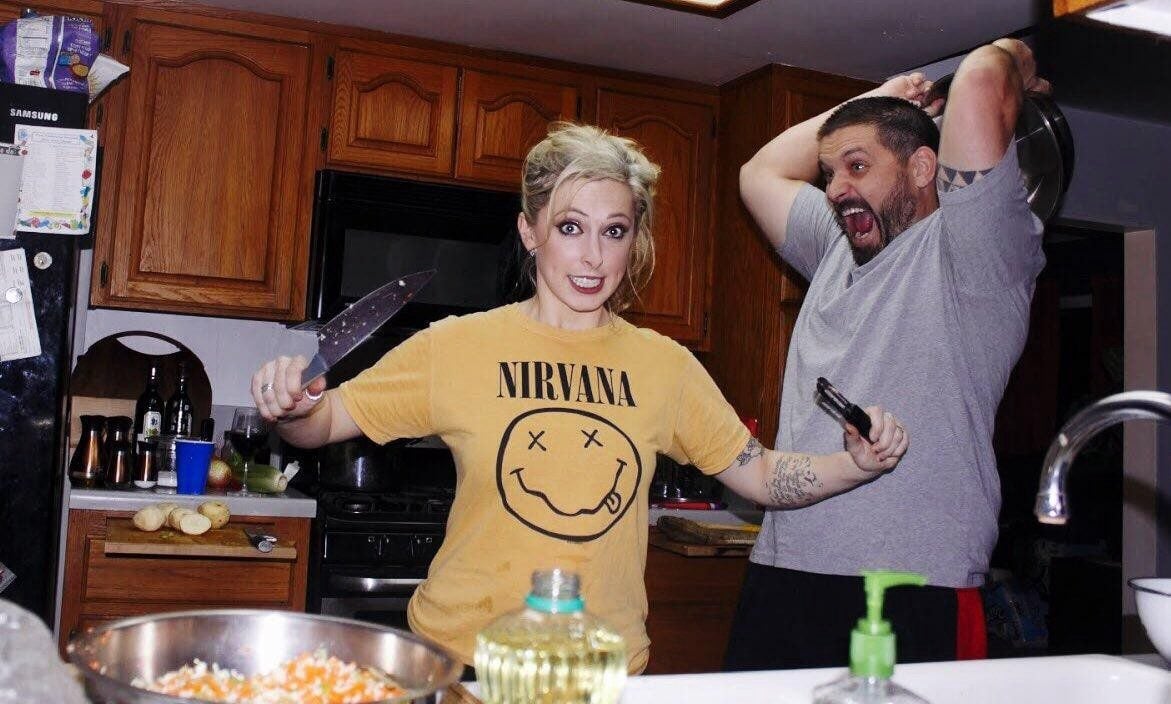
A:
{"x": 554, "y": 435}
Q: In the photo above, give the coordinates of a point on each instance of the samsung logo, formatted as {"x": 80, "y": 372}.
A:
{"x": 33, "y": 114}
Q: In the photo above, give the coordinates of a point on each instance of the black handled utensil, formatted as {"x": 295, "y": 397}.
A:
{"x": 840, "y": 407}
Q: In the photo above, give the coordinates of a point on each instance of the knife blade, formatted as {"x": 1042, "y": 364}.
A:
{"x": 351, "y": 327}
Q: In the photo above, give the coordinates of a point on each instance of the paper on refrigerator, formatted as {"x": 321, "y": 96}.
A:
{"x": 57, "y": 186}
{"x": 11, "y": 171}
{"x": 18, "y": 320}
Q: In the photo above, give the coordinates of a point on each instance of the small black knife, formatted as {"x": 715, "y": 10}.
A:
{"x": 352, "y": 326}
{"x": 838, "y": 406}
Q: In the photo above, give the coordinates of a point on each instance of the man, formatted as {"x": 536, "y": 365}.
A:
{"x": 922, "y": 256}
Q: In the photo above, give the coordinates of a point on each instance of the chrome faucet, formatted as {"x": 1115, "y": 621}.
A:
{"x": 1129, "y": 405}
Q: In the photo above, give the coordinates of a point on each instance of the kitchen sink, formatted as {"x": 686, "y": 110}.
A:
{"x": 1073, "y": 679}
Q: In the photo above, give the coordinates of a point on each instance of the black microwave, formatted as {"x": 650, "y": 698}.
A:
{"x": 368, "y": 230}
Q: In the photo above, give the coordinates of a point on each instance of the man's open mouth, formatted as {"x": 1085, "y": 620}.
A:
{"x": 858, "y": 220}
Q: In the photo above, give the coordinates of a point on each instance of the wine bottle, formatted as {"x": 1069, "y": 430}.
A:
{"x": 148, "y": 412}
{"x": 179, "y": 408}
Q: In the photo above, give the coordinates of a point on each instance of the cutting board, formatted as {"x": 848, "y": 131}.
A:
{"x": 661, "y": 540}
{"x": 122, "y": 538}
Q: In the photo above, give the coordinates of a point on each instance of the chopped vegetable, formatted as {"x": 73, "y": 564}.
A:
{"x": 306, "y": 679}
{"x": 187, "y": 521}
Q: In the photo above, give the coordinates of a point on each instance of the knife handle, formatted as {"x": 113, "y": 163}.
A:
{"x": 317, "y": 367}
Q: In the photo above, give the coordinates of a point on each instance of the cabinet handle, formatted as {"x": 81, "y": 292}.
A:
{"x": 126, "y": 42}
{"x": 107, "y": 37}
{"x": 329, "y": 68}
{"x": 324, "y": 138}
{"x": 104, "y": 275}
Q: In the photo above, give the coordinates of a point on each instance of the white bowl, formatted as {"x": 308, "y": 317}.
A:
{"x": 1153, "y": 596}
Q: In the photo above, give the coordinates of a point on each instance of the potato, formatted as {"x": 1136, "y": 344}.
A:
{"x": 176, "y": 515}
{"x": 217, "y": 511}
{"x": 149, "y": 519}
{"x": 166, "y": 507}
{"x": 193, "y": 523}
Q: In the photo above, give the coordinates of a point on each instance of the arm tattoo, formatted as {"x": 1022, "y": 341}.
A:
{"x": 750, "y": 452}
{"x": 949, "y": 179}
{"x": 793, "y": 481}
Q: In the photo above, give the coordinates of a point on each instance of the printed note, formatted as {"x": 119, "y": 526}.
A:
{"x": 57, "y": 186}
{"x": 18, "y": 320}
{"x": 11, "y": 171}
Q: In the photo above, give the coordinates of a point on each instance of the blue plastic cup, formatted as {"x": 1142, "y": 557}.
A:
{"x": 192, "y": 460}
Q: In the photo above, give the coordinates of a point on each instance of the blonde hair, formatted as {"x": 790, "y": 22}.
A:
{"x": 572, "y": 153}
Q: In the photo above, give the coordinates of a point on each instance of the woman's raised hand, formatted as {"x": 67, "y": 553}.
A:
{"x": 276, "y": 388}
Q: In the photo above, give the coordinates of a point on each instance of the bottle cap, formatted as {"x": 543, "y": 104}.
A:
{"x": 555, "y": 591}
{"x": 872, "y": 644}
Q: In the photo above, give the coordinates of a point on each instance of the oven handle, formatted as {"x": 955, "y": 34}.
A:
{"x": 374, "y": 585}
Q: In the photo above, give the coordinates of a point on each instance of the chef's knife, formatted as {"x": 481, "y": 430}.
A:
{"x": 352, "y": 326}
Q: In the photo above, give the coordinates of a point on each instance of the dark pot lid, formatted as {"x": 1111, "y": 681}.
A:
{"x": 1044, "y": 147}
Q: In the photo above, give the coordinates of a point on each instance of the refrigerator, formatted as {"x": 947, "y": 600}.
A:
{"x": 34, "y": 391}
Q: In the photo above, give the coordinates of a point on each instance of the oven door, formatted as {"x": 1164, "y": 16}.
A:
{"x": 378, "y": 596}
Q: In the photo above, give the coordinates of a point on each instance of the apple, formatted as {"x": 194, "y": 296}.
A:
{"x": 219, "y": 474}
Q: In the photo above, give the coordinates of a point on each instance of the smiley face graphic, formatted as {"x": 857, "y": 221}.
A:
{"x": 567, "y": 473}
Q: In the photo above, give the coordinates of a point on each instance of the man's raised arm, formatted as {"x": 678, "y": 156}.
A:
{"x": 771, "y": 179}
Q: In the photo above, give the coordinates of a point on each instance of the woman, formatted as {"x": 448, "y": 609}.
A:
{"x": 554, "y": 409}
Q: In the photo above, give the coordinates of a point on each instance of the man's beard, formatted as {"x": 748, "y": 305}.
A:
{"x": 896, "y": 214}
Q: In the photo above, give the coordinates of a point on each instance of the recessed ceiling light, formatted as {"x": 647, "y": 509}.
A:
{"x": 711, "y": 8}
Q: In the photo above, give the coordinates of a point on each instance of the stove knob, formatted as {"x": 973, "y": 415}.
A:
{"x": 376, "y": 545}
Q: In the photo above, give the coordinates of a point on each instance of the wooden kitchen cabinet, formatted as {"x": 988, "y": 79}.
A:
{"x": 100, "y": 587}
{"x": 212, "y": 194}
{"x": 392, "y": 113}
{"x": 756, "y": 296}
{"x": 439, "y": 116}
{"x": 678, "y": 134}
{"x": 501, "y": 118}
{"x": 692, "y": 601}
{"x": 213, "y": 139}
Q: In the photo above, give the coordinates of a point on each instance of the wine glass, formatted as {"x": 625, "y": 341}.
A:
{"x": 249, "y": 433}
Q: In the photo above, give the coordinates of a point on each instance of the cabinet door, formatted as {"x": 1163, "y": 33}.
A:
{"x": 678, "y": 136}
{"x": 391, "y": 113}
{"x": 501, "y": 118}
{"x": 211, "y": 215}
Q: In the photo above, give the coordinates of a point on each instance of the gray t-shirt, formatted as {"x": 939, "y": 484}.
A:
{"x": 930, "y": 329}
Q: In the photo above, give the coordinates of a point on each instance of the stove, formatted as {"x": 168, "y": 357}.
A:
{"x": 415, "y": 507}
{"x": 372, "y": 550}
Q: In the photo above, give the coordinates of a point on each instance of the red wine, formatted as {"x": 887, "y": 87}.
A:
{"x": 252, "y": 447}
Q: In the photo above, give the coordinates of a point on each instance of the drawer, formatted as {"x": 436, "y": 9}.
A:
{"x": 131, "y": 578}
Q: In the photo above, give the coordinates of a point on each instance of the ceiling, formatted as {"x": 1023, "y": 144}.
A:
{"x": 869, "y": 39}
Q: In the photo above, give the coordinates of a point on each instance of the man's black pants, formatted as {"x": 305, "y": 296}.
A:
{"x": 788, "y": 619}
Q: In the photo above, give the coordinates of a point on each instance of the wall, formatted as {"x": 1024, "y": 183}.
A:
{"x": 230, "y": 350}
{"x": 1120, "y": 179}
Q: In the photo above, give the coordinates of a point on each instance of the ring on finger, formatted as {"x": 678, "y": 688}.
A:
{"x": 266, "y": 387}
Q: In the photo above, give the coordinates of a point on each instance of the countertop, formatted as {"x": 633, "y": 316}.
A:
{"x": 289, "y": 504}
{"x": 796, "y": 686}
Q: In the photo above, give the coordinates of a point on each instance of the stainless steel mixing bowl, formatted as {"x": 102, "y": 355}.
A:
{"x": 249, "y": 641}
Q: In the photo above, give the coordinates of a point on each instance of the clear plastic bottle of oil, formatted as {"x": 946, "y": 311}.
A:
{"x": 552, "y": 651}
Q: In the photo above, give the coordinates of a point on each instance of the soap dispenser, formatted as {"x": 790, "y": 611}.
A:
{"x": 872, "y": 651}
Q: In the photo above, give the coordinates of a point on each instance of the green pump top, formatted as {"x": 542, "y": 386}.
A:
{"x": 872, "y": 643}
